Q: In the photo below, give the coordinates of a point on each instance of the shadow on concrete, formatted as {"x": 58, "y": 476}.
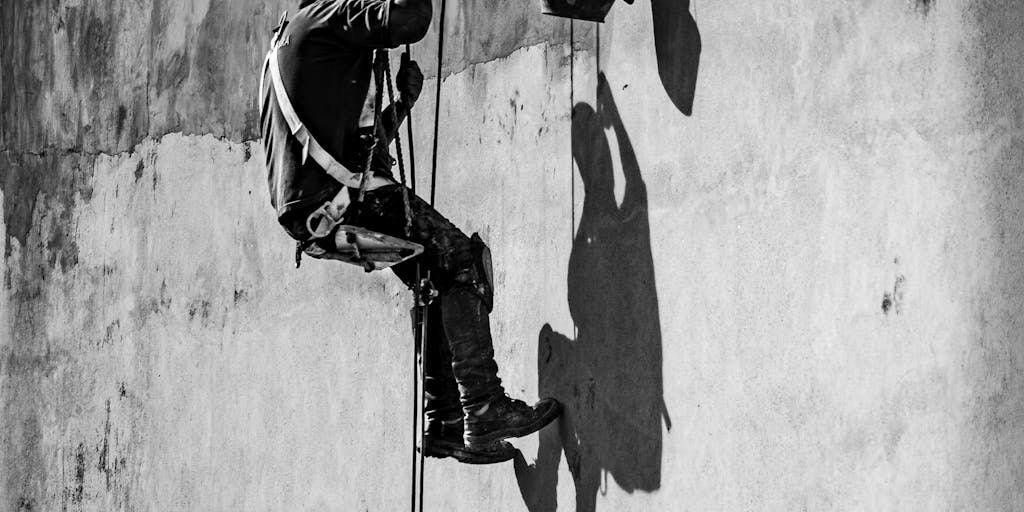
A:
{"x": 677, "y": 45}
{"x": 609, "y": 378}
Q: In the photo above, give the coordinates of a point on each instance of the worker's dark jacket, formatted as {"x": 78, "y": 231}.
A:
{"x": 325, "y": 58}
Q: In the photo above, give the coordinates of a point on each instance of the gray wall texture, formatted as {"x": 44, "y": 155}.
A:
{"x": 769, "y": 254}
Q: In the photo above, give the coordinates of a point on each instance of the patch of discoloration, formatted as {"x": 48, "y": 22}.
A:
{"x": 893, "y": 300}
{"x": 25, "y": 504}
{"x": 139, "y": 169}
{"x": 199, "y": 308}
{"x": 45, "y": 188}
{"x": 75, "y": 491}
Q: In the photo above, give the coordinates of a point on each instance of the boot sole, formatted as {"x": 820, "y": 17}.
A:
{"x": 494, "y": 455}
{"x": 486, "y": 440}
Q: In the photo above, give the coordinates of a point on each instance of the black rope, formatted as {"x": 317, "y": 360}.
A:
{"x": 421, "y": 302}
{"x": 437, "y": 102}
{"x": 398, "y": 147}
{"x": 419, "y": 312}
{"x": 419, "y": 317}
{"x": 378, "y": 82}
{"x": 408, "y": 131}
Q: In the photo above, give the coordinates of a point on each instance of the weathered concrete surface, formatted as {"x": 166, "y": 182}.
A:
{"x": 776, "y": 263}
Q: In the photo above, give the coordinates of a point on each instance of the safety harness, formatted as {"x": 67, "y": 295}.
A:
{"x": 359, "y": 246}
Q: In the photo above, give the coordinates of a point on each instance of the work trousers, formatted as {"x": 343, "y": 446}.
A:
{"x": 459, "y": 368}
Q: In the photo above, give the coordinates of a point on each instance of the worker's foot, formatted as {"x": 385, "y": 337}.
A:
{"x": 441, "y": 441}
{"x": 505, "y": 417}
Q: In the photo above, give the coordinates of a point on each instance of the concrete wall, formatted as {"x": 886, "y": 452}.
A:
{"x": 775, "y": 263}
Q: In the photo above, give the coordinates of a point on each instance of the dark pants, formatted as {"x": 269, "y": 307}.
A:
{"x": 459, "y": 356}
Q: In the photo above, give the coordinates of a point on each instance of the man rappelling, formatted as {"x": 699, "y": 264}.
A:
{"x": 326, "y": 136}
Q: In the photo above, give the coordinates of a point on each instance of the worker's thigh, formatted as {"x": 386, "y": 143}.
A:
{"x": 446, "y": 249}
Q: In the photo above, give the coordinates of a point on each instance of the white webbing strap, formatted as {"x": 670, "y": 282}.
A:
{"x": 324, "y": 219}
{"x": 310, "y": 147}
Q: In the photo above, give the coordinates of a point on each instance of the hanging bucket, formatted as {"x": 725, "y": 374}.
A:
{"x": 588, "y": 10}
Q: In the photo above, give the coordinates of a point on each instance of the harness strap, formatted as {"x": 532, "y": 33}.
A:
{"x": 310, "y": 146}
{"x": 329, "y": 215}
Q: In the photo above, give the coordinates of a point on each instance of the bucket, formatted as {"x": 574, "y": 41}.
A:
{"x": 588, "y": 10}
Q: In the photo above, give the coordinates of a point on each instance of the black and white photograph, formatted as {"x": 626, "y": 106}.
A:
{"x": 511, "y": 255}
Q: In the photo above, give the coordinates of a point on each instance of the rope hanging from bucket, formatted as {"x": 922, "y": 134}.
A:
{"x": 437, "y": 103}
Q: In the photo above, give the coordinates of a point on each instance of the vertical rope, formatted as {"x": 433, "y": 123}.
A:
{"x": 572, "y": 141}
{"x": 572, "y": 106}
{"x": 419, "y": 317}
{"x": 408, "y": 128}
{"x": 418, "y": 312}
{"x": 437, "y": 101}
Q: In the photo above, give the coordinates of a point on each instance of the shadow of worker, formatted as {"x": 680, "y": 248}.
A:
{"x": 677, "y": 45}
{"x": 609, "y": 378}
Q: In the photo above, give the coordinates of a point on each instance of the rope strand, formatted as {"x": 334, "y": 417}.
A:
{"x": 398, "y": 147}
{"x": 377, "y": 103}
{"x": 437, "y": 102}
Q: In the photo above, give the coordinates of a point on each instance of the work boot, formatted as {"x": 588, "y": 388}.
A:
{"x": 445, "y": 440}
{"x": 490, "y": 415}
{"x": 506, "y": 417}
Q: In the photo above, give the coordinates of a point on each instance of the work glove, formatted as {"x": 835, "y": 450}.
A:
{"x": 410, "y": 80}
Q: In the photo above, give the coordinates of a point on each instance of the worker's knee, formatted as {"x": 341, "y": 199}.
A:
{"x": 474, "y": 271}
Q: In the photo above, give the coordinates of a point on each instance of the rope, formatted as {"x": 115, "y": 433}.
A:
{"x": 419, "y": 403}
{"x": 408, "y": 131}
{"x": 419, "y": 312}
{"x": 398, "y": 147}
{"x": 377, "y": 104}
{"x": 420, "y": 316}
{"x": 437, "y": 102}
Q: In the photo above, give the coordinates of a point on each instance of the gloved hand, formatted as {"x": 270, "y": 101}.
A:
{"x": 409, "y": 80}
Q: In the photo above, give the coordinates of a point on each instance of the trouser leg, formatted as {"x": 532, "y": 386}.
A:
{"x": 442, "y": 394}
{"x": 449, "y": 255}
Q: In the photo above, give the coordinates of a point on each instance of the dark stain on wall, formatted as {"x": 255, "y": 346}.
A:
{"x": 893, "y": 300}
{"x": 199, "y": 308}
{"x": 19, "y": 99}
{"x": 111, "y": 332}
{"x": 924, "y": 5}
{"x": 153, "y": 306}
{"x": 31, "y": 184}
{"x": 91, "y": 40}
{"x": 25, "y": 504}
{"x": 139, "y": 169}
{"x": 77, "y": 491}
{"x": 104, "y": 464}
